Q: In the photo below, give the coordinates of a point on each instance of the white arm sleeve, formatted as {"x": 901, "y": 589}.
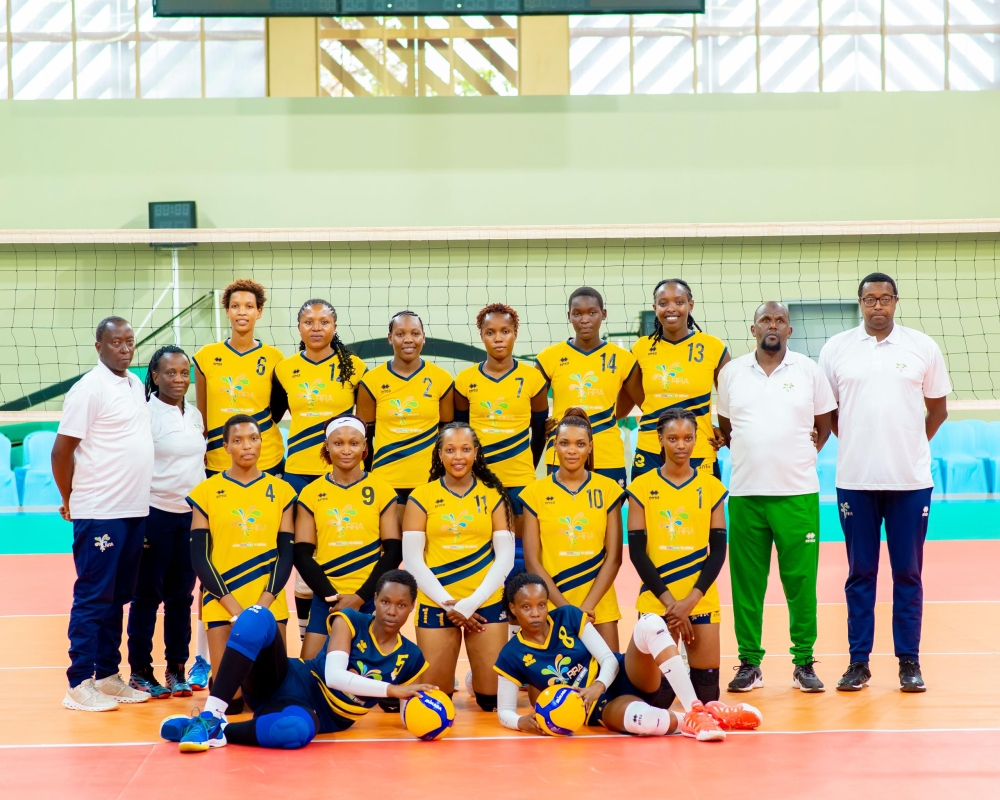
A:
{"x": 503, "y": 563}
{"x": 337, "y": 677}
{"x": 507, "y": 703}
{"x": 413, "y": 560}
{"x": 599, "y": 649}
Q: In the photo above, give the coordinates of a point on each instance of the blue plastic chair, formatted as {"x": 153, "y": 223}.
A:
{"x": 991, "y": 453}
{"x": 962, "y": 468}
{"x": 725, "y": 459}
{"x": 8, "y": 483}
{"x": 284, "y": 438}
{"x": 39, "y": 488}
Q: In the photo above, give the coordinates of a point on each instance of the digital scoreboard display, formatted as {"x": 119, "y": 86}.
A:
{"x": 173, "y": 215}
{"x": 404, "y": 8}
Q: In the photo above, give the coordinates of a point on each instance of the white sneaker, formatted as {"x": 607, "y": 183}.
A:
{"x": 114, "y": 687}
{"x": 86, "y": 697}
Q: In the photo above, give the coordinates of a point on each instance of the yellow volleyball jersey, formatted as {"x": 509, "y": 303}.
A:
{"x": 240, "y": 383}
{"x": 407, "y": 415}
{"x": 244, "y": 522}
{"x": 500, "y": 414}
{"x": 678, "y": 519}
{"x": 347, "y": 527}
{"x": 315, "y": 396}
{"x": 590, "y": 381}
{"x": 459, "y": 548}
{"x": 678, "y": 375}
{"x": 572, "y": 527}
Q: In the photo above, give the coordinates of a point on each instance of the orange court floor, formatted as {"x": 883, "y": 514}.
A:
{"x": 943, "y": 743}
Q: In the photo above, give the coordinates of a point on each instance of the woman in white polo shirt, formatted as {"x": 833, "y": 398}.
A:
{"x": 165, "y": 572}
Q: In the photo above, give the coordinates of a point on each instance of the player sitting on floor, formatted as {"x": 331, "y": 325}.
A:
{"x": 562, "y": 647}
{"x": 293, "y": 700}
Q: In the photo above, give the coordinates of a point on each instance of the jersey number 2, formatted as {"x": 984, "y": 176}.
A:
{"x": 428, "y": 383}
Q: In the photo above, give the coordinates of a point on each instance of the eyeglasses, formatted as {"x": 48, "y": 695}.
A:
{"x": 871, "y": 302}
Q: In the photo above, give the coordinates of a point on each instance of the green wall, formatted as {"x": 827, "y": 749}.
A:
{"x": 502, "y": 161}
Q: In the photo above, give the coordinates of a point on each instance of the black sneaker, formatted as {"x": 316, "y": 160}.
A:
{"x": 910, "y": 679}
{"x": 804, "y": 678}
{"x": 856, "y": 678}
{"x": 748, "y": 677}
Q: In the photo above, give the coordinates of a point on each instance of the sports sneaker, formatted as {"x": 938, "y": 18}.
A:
{"x": 741, "y": 717}
{"x": 805, "y": 679}
{"x": 114, "y": 687}
{"x": 700, "y": 725}
{"x": 147, "y": 683}
{"x": 177, "y": 683}
{"x": 202, "y": 733}
{"x": 748, "y": 677}
{"x": 910, "y": 679}
{"x": 199, "y": 675}
{"x": 172, "y": 728}
{"x": 856, "y": 678}
{"x": 86, "y": 697}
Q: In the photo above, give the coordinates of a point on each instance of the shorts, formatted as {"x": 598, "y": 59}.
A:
{"x": 402, "y": 495}
{"x": 645, "y": 461}
{"x": 617, "y": 474}
{"x": 299, "y": 482}
{"x": 620, "y": 687}
{"x": 320, "y": 610}
{"x": 518, "y": 567}
{"x": 514, "y": 493}
{"x": 434, "y": 617}
{"x": 708, "y": 618}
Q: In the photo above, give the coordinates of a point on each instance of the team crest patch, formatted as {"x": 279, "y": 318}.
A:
{"x": 103, "y": 542}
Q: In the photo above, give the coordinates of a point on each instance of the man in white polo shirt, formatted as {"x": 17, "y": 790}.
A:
{"x": 770, "y": 402}
{"x": 102, "y": 461}
{"x": 892, "y": 386}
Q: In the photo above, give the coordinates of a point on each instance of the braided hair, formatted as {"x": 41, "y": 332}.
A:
{"x": 154, "y": 364}
{"x": 575, "y": 417}
{"x": 672, "y": 415}
{"x": 346, "y": 369}
{"x": 479, "y": 467}
{"x": 657, "y": 325}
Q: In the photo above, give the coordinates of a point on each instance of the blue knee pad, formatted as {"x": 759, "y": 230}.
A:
{"x": 253, "y": 630}
{"x": 289, "y": 729}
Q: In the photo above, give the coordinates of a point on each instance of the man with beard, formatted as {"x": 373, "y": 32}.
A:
{"x": 770, "y": 403}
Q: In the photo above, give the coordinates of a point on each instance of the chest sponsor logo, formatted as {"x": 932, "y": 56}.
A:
{"x": 494, "y": 410}
{"x": 675, "y": 522}
{"x": 236, "y": 387}
{"x": 900, "y": 367}
{"x": 456, "y": 524}
{"x": 668, "y": 375}
{"x": 788, "y": 388}
{"x": 342, "y": 520}
{"x": 401, "y": 409}
{"x": 583, "y": 384}
{"x": 311, "y": 392}
{"x": 247, "y": 521}
{"x": 574, "y": 528}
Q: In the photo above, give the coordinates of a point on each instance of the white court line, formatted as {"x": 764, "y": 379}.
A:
{"x": 514, "y": 738}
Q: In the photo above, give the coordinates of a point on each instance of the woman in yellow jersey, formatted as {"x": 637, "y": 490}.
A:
{"x": 505, "y": 402}
{"x": 678, "y": 366}
{"x": 405, "y": 400}
{"x": 347, "y": 532}
{"x": 677, "y": 542}
{"x": 573, "y": 529}
{"x": 457, "y": 543}
{"x": 317, "y": 384}
{"x": 587, "y": 372}
{"x": 234, "y": 377}
{"x": 241, "y": 536}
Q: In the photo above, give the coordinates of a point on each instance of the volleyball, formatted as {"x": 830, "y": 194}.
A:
{"x": 429, "y": 715}
{"x": 559, "y": 711}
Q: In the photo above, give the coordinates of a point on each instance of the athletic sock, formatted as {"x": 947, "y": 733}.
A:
{"x": 216, "y": 706}
{"x": 675, "y": 672}
{"x": 302, "y": 607}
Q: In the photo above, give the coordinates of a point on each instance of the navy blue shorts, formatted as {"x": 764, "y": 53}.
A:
{"x": 645, "y": 461}
{"x": 514, "y": 493}
{"x": 299, "y": 482}
{"x": 434, "y": 617}
{"x": 618, "y": 474}
{"x": 320, "y": 610}
{"x": 620, "y": 687}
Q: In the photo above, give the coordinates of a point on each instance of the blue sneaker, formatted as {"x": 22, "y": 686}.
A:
{"x": 199, "y": 674}
{"x": 146, "y": 682}
{"x": 177, "y": 684}
{"x": 172, "y": 728}
{"x": 202, "y": 733}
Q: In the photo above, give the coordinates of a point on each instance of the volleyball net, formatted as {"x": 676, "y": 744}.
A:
{"x": 56, "y": 286}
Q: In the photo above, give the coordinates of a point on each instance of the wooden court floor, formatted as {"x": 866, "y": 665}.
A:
{"x": 939, "y": 744}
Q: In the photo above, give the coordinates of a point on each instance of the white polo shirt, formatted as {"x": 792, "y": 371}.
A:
{"x": 178, "y": 454}
{"x": 881, "y": 387}
{"x": 114, "y": 462}
{"x": 772, "y": 418}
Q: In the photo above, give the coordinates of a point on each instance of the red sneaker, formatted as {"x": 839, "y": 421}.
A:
{"x": 741, "y": 717}
{"x": 699, "y": 724}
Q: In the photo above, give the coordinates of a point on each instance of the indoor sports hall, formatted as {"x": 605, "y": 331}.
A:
{"x": 759, "y": 150}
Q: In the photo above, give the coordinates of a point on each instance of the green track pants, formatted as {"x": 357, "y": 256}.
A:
{"x": 792, "y": 524}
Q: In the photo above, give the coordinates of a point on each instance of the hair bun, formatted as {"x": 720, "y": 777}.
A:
{"x": 576, "y": 411}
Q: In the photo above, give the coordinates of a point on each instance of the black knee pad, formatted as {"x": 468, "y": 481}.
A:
{"x": 487, "y": 702}
{"x": 664, "y": 696}
{"x": 706, "y": 684}
{"x": 302, "y": 607}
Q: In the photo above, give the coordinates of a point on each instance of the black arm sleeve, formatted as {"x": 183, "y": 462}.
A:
{"x": 311, "y": 572}
{"x": 282, "y": 569}
{"x": 538, "y": 435}
{"x": 201, "y": 559}
{"x": 392, "y": 555}
{"x": 712, "y": 566}
{"x": 279, "y": 400}
{"x": 370, "y": 439}
{"x": 640, "y": 560}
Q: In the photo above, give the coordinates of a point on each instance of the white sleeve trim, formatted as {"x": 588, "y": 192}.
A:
{"x": 413, "y": 561}
{"x": 599, "y": 649}
{"x": 337, "y": 677}
{"x": 503, "y": 563}
{"x": 507, "y": 692}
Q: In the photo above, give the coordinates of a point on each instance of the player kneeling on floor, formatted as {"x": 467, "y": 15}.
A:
{"x": 560, "y": 647}
{"x": 293, "y": 700}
